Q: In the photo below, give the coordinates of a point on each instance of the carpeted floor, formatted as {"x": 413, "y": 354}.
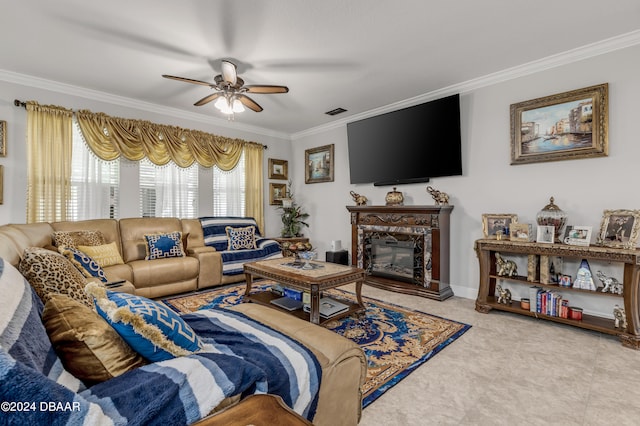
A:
{"x": 396, "y": 340}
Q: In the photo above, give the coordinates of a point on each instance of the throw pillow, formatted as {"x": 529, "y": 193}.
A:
{"x": 151, "y": 329}
{"x": 241, "y": 238}
{"x": 49, "y": 272}
{"x": 161, "y": 246}
{"x": 88, "y": 346}
{"x": 78, "y": 238}
{"x": 85, "y": 264}
{"x": 104, "y": 255}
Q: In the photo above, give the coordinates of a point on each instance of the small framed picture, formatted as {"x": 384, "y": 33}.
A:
{"x": 578, "y": 236}
{"x": 545, "y": 234}
{"x": 494, "y": 224}
{"x": 277, "y": 192}
{"x": 619, "y": 228}
{"x": 521, "y": 232}
{"x": 3, "y": 138}
{"x": 318, "y": 163}
{"x": 278, "y": 169}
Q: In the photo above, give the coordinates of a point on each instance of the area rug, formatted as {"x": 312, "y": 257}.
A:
{"x": 396, "y": 340}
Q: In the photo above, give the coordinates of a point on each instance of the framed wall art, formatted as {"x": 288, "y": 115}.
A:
{"x": 3, "y": 138}
{"x": 278, "y": 169}
{"x": 619, "y": 228}
{"x": 319, "y": 164}
{"x": 564, "y": 126}
{"x": 492, "y": 224}
{"x": 277, "y": 192}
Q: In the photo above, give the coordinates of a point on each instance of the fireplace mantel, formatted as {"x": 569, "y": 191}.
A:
{"x": 431, "y": 222}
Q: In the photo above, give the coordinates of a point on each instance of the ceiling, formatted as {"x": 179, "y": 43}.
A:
{"x": 361, "y": 55}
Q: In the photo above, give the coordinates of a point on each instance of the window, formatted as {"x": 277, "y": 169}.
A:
{"x": 229, "y": 190}
{"x": 168, "y": 191}
{"x": 94, "y": 183}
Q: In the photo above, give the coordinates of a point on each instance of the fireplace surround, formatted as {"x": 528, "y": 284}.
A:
{"x": 403, "y": 248}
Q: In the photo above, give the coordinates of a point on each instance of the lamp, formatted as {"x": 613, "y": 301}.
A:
{"x": 229, "y": 105}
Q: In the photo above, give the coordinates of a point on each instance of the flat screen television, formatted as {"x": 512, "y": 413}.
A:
{"x": 409, "y": 145}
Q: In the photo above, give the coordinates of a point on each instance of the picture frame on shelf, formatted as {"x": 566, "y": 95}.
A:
{"x": 619, "y": 228}
{"x": 545, "y": 234}
{"x": 3, "y": 138}
{"x": 493, "y": 224}
{"x": 277, "y": 191}
{"x": 578, "y": 235}
{"x": 278, "y": 169}
{"x": 319, "y": 164}
{"x": 564, "y": 126}
{"x": 521, "y": 232}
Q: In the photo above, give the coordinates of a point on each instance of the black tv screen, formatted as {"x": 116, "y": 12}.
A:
{"x": 408, "y": 145}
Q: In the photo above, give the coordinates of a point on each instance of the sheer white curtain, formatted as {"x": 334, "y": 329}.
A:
{"x": 229, "y": 190}
{"x": 94, "y": 183}
{"x": 168, "y": 191}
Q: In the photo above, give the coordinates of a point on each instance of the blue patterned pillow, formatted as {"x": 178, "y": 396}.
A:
{"x": 151, "y": 329}
{"x": 85, "y": 263}
{"x": 241, "y": 238}
{"x": 161, "y": 246}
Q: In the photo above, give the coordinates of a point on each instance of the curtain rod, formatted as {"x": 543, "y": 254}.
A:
{"x": 22, "y": 104}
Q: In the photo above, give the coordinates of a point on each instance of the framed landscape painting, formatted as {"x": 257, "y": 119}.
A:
{"x": 319, "y": 164}
{"x": 278, "y": 169}
{"x": 564, "y": 126}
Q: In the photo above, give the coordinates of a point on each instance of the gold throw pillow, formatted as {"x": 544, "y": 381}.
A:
{"x": 104, "y": 255}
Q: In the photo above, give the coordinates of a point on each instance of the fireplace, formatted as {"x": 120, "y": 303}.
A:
{"x": 403, "y": 248}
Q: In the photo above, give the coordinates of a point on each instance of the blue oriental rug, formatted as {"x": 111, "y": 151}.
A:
{"x": 396, "y": 340}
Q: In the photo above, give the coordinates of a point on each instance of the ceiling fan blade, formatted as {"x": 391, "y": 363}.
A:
{"x": 255, "y": 88}
{"x": 229, "y": 72}
{"x": 208, "y": 99}
{"x": 248, "y": 102}
{"x": 187, "y": 80}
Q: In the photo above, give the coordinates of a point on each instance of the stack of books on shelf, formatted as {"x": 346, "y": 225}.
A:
{"x": 548, "y": 302}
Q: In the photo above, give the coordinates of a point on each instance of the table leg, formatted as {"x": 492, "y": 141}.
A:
{"x": 314, "y": 314}
{"x": 359, "y": 293}
{"x": 247, "y": 291}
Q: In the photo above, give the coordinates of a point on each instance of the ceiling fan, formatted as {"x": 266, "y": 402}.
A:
{"x": 230, "y": 90}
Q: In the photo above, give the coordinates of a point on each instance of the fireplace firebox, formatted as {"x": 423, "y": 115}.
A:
{"x": 403, "y": 248}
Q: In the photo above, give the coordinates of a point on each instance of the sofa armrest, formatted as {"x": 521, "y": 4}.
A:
{"x": 210, "y": 273}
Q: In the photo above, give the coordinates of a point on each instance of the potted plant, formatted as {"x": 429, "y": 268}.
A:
{"x": 293, "y": 217}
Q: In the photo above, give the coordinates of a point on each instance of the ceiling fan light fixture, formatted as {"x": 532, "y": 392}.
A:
{"x": 237, "y": 105}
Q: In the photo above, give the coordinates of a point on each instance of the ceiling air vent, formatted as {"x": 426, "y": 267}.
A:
{"x": 336, "y": 111}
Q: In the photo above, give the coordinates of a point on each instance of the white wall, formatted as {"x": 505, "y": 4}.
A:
{"x": 583, "y": 188}
{"x": 13, "y": 210}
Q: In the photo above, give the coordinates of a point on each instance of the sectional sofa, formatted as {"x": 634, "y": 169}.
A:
{"x": 342, "y": 363}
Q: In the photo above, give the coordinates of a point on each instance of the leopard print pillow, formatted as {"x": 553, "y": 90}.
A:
{"x": 49, "y": 273}
{"x": 73, "y": 239}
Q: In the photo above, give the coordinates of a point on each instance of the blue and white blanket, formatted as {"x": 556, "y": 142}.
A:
{"x": 215, "y": 235}
{"x": 241, "y": 357}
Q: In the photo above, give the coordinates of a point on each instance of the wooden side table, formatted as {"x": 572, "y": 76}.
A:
{"x": 258, "y": 410}
{"x": 290, "y": 240}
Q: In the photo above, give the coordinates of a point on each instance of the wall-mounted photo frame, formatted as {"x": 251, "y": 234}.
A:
{"x": 578, "y": 235}
{"x": 278, "y": 169}
{"x": 494, "y": 223}
{"x": 3, "y": 138}
{"x": 619, "y": 228}
{"x": 319, "y": 164}
{"x": 564, "y": 126}
{"x": 277, "y": 191}
{"x": 521, "y": 232}
{"x": 546, "y": 234}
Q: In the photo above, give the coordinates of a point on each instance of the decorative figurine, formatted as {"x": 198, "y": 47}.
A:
{"x": 441, "y": 198}
{"x": 394, "y": 198}
{"x": 504, "y": 295}
{"x": 506, "y": 268}
{"x": 619, "y": 318}
{"x": 360, "y": 200}
{"x": 611, "y": 284}
{"x": 584, "y": 278}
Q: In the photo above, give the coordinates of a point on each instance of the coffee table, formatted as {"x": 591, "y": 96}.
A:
{"x": 324, "y": 276}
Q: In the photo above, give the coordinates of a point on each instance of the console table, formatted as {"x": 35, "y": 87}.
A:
{"x": 629, "y": 260}
{"x": 424, "y": 227}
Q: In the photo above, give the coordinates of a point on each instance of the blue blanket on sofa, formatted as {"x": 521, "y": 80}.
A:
{"x": 241, "y": 357}
{"x": 215, "y": 235}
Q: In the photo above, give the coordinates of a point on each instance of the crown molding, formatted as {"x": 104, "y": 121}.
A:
{"x": 584, "y": 52}
{"x": 95, "y": 95}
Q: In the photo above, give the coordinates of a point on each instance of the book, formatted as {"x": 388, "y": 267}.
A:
{"x": 533, "y": 298}
{"x": 287, "y": 303}
{"x": 329, "y": 307}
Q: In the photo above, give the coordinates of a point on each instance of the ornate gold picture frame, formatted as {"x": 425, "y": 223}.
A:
{"x": 319, "y": 164}
{"x": 278, "y": 169}
{"x": 619, "y": 228}
{"x": 3, "y": 138}
{"x": 565, "y": 126}
{"x": 492, "y": 223}
{"x": 277, "y": 192}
